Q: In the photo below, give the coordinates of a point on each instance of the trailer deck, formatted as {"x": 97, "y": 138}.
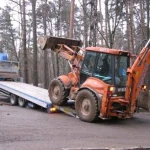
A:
{"x": 35, "y": 95}
{"x": 29, "y": 92}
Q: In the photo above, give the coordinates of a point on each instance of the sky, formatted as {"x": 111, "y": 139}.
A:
{"x": 3, "y": 3}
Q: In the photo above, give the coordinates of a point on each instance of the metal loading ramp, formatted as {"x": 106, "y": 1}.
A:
{"x": 29, "y": 92}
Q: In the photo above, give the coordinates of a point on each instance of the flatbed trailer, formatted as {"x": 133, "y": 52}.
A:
{"x": 33, "y": 95}
{"x": 29, "y": 93}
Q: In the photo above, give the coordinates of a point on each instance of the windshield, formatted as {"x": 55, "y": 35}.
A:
{"x": 103, "y": 68}
{"x": 112, "y": 69}
{"x": 121, "y": 65}
{"x": 107, "y": 67}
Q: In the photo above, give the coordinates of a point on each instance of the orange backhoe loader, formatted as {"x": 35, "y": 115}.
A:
{"x": 101, "y": 81}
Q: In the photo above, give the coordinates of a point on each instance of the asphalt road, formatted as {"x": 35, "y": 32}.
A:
{"x": 29, "y": 129}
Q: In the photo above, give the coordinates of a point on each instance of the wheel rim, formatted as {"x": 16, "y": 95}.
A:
{"x": 21, "y": 101}
{"x": 56, "y": 92}
{"x": 85, "y": 107}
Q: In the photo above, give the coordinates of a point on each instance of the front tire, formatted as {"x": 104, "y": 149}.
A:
{"x": 86, "y": 105}
{"x": 57, "y": 92}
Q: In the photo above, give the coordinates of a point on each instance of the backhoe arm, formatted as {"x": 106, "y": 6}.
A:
{"x": 136, "y": 76}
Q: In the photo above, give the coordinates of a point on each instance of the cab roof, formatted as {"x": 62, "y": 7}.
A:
{"x": 108, "y": 51}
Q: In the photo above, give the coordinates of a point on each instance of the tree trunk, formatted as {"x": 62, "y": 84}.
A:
{"x": 127, "y": 21}
{"x": 131, "y": 26}
{"x": 106, "y": 21}
{"x": 85, "y": 22}
{"x": 93, "y": 23}
{"x": 101, "y": 22}
{"x": 71, "y": 19}
{"x": 142, "y": 20}
{"x": 24, "y": 45}
{"x": 35, "y": 67}
{"x": 45, "y": 51}
{"x": 148, "y": 20}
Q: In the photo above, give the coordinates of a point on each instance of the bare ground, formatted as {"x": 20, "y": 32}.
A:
{"x": 29, "y": 129}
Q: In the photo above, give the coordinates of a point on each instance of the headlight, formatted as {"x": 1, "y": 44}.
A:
{"x": 144, "y": 87}
{"x": 112, "y": 89}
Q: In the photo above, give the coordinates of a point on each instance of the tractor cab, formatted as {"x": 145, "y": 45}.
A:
{"x": 108, "y": 65}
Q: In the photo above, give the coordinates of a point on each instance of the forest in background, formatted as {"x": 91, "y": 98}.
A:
{"x": 119, "y": 24}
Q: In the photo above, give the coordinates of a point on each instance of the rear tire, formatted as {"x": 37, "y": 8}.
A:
{"x": 13, "y": 99}
{"x": 57, "y": 92}
{"x": 86, "y": 105}
{"x": 21, "y": 102}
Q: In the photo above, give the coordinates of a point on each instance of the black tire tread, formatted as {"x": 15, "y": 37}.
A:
{"x": 65, "y": 92}
{"x": 96, "y": 113}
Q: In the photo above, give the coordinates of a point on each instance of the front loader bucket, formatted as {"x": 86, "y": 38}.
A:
{"x": 51, "y": 42}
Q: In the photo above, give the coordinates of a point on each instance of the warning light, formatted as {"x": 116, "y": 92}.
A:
{"x": 112, "y": 89}
{"x": 53, "y": 109}
{"x": 144, "y": 87}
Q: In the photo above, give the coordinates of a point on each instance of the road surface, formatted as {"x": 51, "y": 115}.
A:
{"x": 30, "y": 129}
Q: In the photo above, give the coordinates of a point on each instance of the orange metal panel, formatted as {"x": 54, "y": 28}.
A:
{"x": 107, "y": 50}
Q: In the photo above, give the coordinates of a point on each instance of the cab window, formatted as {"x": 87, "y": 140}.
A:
{"x": 88, "y": 64}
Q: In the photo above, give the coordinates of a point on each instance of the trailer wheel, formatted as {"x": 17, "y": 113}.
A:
{"x": 13, "y": 99}
{"x": 86, "y": 106}
{"x": 57, "y": 92}
{"x": 21, "y": 102}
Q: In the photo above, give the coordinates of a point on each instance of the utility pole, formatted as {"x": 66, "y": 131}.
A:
{"x": 71, "y": 19}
